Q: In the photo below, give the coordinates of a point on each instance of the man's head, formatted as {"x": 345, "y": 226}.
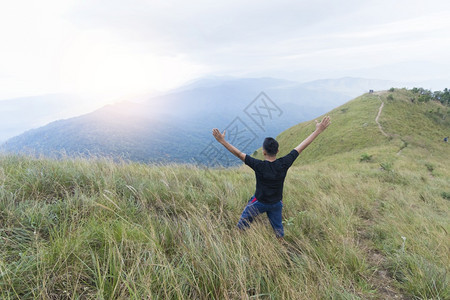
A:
{"x": 270, "y": 146}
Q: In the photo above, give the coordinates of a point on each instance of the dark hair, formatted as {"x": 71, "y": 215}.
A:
{"x": 271, "y": 146}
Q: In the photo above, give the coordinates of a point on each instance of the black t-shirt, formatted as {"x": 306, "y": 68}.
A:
{"x": 270, "y": 176}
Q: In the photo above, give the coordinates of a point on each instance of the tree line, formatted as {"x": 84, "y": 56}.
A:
{"x": 427, "y": 95}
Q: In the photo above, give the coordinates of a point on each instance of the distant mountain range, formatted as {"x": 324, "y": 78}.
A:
{"x": 21, "y": 114}
{"x": 176, "y": 127}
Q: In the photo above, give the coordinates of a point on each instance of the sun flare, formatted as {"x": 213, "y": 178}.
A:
{"x": 94, "y": 64}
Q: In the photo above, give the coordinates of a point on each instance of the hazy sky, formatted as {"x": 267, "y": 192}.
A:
{"x": 119, "y": 47}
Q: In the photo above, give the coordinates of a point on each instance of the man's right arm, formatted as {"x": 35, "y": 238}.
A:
{"x": 320, "y": 127}
{"x": 220, "y": 137}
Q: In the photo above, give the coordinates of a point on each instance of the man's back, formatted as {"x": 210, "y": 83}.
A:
{"x": 270, "y": 176}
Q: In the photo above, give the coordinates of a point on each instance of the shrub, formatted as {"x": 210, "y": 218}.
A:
{"x": 424, "y": 98}
{"x": 386, "y": 166}
{"x": 365, "y": 157}
{"x": 404, "y": 145}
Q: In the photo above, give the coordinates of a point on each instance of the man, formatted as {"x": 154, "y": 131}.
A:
{"x": 270, "y": 174}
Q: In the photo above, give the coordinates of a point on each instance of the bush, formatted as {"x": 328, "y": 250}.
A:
{"x": 365, "y": 157}
{"x": 405, "y": 144}
{"x": 387, "y": 166}
{"x": 424, "y": 98}
{"x": 391, "y": 89}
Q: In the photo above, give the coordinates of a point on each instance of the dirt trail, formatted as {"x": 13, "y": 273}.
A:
{"x": 380, "y": 278}
{"x": 378, "y": 116}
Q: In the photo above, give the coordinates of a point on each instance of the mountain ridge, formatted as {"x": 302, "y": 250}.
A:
{"x": 159, "y": 128}
{"x": 185, "y": 115}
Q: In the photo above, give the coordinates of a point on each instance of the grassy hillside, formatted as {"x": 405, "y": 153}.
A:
{"x": 363, "y": 220}
{"x": 422, "y": 126}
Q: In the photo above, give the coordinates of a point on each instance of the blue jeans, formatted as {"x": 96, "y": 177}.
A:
{"x": 254, "y": 208}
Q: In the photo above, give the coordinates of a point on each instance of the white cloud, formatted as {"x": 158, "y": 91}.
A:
{"x": 117, "y": 47}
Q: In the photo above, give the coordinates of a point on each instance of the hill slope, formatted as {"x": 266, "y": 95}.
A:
{"x": 417, "y": 125}
{"x": 95, "y": 229}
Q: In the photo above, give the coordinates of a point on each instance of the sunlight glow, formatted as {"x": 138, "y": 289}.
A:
{"x": 96, "y": 63}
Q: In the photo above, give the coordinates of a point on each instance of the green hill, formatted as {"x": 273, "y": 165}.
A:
{"x": 366, "y": 217}
{"x": 405, "y": 120}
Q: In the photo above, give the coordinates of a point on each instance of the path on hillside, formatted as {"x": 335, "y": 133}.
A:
{"x": 380, "y": 279}
{"x": 378, "y": 116}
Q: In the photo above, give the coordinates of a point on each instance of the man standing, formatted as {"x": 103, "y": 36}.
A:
{"x": 270, "y": 174}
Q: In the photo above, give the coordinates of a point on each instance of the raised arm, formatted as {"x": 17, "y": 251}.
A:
{"x": 319, "y": 128}
{"x": 220, "y": 137}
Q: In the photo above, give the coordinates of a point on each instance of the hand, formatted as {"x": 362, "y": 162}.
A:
{"x": 323, "y": 124}
{"x": 220, "y": 137}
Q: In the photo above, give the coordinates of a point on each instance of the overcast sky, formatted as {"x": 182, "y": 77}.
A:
{"x": 122, "y": 47}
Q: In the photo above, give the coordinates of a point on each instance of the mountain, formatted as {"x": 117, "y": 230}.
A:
{"x": 176, "y": 127}
{"x": 21, "y": 114}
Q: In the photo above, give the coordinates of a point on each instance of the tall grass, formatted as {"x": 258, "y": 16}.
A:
{"x": 371, "y": 229}
{"x": 95, "y": 229}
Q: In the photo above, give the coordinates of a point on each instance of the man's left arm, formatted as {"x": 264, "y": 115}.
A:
{"x": 220, "y": 137}
{"x": 320, "y": 127}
